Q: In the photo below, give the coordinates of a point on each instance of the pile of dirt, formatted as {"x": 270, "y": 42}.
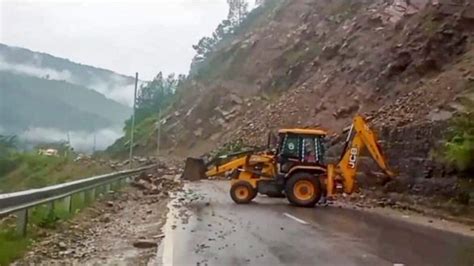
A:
{"x": 159, "y": 181}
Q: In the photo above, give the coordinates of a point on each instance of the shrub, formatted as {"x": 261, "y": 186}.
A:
{"x": 459, "y": 149}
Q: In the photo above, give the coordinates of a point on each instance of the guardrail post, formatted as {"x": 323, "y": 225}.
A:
{"x": 22, "y": 222}
{"x": 92, "y": 194}
{"x": 68, "y": 204}
{"x": 50, "y": 206}
{"x": 82, "y": 198}
{"x": 87, "y": 197}
{"x": 98, "y": 191}
{"x": 107, "y": 188}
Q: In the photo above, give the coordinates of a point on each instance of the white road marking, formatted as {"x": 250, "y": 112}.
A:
{"x": 166, "y": 246}
{"x": 295, "y": 218}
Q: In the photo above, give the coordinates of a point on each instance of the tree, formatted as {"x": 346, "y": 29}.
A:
{"x": 204, "y": 47}
{"x": 7, "y": 144}
{"x": 223, "y": 30}
{"x": 155, "y": 95}
{"x": 238, "y": 10}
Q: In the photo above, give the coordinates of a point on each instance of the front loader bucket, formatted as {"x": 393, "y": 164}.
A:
{"x": 194, "y": 169}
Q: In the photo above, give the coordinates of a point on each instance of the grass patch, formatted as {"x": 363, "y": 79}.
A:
{"x": 43, "y": 218}
{"x": 34, "y": 171}
{"x": 12, "y": 246}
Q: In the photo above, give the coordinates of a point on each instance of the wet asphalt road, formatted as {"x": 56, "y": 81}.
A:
{"x": 205, "y": 227}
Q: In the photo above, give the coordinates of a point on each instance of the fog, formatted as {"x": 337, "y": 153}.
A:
{"x": 32, "y": 70}
{"x": 81, "y": 141}
{"x": 126, "y": 36}
{"x": 116, "y": 88}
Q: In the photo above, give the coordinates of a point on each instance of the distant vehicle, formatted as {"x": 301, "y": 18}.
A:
{"x": 48, "y": 152}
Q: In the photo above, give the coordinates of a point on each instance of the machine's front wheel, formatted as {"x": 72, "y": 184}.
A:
{"x": 303, "y": 189}
{"x": 242, "y": 192}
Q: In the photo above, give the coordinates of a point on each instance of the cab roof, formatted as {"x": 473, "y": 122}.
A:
{"x": 305, "y": 131}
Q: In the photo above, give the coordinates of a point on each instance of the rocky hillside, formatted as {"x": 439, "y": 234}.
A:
{"x": 309, "y": 63}
{"x": 406, "y": 65}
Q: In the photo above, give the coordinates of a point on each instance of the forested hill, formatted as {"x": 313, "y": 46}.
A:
{"x": 43, "y": 98}
{"x": 29, "y": 102}
{"x": 41, "y": 65}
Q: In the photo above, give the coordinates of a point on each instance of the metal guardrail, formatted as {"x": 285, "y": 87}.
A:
{"x": 20, "y": 202}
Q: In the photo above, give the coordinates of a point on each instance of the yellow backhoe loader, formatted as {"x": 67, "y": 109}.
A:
{"x": 295, "y": 168}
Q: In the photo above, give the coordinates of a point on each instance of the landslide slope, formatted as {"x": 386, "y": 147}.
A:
{"x": 309, "y": 63}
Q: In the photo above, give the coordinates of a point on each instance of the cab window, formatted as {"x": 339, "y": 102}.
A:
{"x": 310, "y": 150}
{"x": 291, "y": 146}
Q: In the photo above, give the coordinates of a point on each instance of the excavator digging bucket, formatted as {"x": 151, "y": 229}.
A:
{"x": 194, "y": 169}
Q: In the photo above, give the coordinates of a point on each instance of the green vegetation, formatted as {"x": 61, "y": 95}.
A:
{"x": 459, "y": 149}
{"x": 144, "y": 131}
{"x": 159, "y": 94}
{"x": 29, "y": 170}
{"x": 29, "y": 102}
{"x": 24, "y": 170}
{"x": 42, "y": 220}
{"x": 12, "y": 246}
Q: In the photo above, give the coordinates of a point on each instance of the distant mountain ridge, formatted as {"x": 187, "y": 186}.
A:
{"x": 43, "y": 93}
{"x": 30, "y": 102}
{"x": 42, "y": 65}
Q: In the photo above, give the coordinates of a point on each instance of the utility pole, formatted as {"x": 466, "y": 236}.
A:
{"x": 94, "y": 143}
{"x": 158, "y": 132}
{"x": 132, "y": 129}
{"x": 69, "y": 147}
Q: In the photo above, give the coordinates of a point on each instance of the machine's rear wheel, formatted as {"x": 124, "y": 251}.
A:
{"x": 242, "y": 192}
{"x": 303, "y": 189}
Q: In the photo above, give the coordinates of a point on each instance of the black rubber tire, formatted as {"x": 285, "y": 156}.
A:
{"x": 252, "y": 192}
{"x": 298, "y": 177}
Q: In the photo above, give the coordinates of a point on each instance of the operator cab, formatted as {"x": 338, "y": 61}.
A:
{"x": 300, "y": 147}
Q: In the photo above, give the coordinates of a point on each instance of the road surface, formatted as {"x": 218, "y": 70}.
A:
{"x": 205, "y": 227}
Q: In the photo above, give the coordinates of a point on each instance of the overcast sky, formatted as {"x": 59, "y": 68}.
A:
{"x": 125, "y": 36}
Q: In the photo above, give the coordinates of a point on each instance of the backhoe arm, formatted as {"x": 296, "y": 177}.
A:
{"x": 232, "y": 165}
{"x": 360, "y": 136}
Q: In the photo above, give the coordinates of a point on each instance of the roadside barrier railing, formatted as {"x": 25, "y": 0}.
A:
{"x": 19, "y": 202}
